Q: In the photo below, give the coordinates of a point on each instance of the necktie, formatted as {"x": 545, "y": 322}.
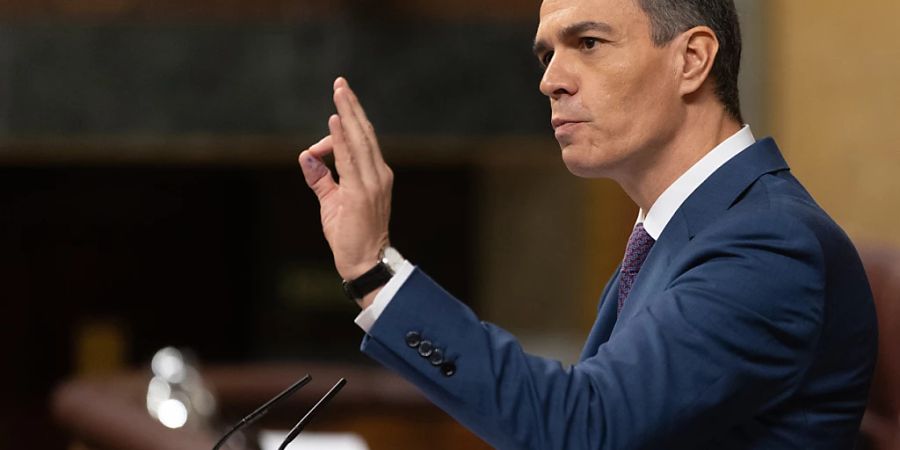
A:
{"x": 639, "y": 245}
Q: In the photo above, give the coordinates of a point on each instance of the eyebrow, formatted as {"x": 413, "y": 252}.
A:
{"x": 541, "y": 46}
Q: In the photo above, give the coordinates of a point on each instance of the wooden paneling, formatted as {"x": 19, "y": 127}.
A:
{"x": 835, "y": 107}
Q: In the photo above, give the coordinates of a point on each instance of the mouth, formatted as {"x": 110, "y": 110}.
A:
{"x": 559, "y": 122}
{"x": 563, "y": 126}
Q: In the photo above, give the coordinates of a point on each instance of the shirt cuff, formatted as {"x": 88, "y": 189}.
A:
{"x": 367, "y": 317}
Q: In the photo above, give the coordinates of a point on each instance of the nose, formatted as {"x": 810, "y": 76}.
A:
{"x": 558, "y": 80}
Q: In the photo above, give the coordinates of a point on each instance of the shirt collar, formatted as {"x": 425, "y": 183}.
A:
{"x": 670, "y": 200}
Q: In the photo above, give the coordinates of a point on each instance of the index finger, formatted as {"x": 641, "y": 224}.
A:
{"x": 323, "y": 148}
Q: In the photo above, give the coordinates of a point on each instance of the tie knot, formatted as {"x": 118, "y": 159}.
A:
{"x": 639, "y": 245}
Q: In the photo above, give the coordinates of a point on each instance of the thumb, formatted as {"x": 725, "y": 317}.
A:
{"x": 318, "y": 176}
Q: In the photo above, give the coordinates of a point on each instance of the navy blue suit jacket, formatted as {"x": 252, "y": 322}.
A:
{"x": 750, "y": 326}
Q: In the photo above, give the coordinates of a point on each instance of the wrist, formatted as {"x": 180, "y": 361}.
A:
{"x": 356, "y": 271}
{"x": 362, "y": 260}
{"x": 366, "y": 286}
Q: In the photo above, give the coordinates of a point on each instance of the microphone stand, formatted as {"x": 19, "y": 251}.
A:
{"x": 262, "y": 410}
{"x": 312, "y": 413}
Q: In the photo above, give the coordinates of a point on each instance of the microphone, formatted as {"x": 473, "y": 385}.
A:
{"x": 312, "y": 413}
{"x": 262, "y": 410}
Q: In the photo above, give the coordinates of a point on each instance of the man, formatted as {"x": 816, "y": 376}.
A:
{"x": 740, "y": 318}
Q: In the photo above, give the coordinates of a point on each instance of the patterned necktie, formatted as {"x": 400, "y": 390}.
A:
{"x": 639, "y": 245}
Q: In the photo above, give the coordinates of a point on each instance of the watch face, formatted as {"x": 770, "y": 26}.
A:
{"x": 392, "y": 259}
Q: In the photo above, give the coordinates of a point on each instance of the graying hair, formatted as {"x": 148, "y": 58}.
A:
{"x": 668, "y": 18}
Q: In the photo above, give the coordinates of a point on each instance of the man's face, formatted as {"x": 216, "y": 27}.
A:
{"x": 614, "y": 95}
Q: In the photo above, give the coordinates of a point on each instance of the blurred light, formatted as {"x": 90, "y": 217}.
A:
{"x": 172, "y": 413}
{"x": 157, "y": 392}
{"x": 176, "y": 394}
{"x": 168, "y": 363}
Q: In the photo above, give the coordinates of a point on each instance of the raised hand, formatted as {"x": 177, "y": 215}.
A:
{"x": 356, "y": 212}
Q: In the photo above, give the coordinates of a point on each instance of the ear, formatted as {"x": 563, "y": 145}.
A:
{"x": 699, "y": 47}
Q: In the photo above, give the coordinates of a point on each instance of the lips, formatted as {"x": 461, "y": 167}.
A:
{"x": 565, "y": 128}
{"x": 559, "y": 122}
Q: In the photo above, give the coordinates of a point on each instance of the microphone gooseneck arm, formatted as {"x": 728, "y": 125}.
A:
{"x": 262, "y": 410}
{"x": 312, "y": 413}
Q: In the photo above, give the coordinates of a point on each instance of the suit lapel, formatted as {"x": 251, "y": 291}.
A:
{"x": 724, "y": 188}
{"x": 712, "y": 198}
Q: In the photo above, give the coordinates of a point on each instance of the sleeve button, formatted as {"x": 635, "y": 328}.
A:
{"x": 426, "y": 348}
{"x": 413, "y": 339}
{"x": 448, "y": 369}
{"x": 437, "y": 357}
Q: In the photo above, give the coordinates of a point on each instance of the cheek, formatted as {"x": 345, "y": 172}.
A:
{"x": 617, "y": 106}
{"x": 617, "y": 98}
{"x": 647, "y": 100}
{"x": 630, "y": 104}
{"x": 614, "y": 90}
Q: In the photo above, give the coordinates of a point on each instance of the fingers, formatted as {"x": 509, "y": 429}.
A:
{"x": 352, "y": 140}
{"x": 322, "y": 148}
{"x": 358, "y": 111}
{"x": 358, "y": 144}
{"x": 346, "y": 159}
{"x": 367, "y": 128}
{"x": 361, "y": 123}
{"x": 316, "y": 173}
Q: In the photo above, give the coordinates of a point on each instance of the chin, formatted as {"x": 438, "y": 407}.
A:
{"x": 585, "y": 162}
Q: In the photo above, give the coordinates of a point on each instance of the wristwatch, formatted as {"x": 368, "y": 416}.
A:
{"x": 389, "y": 262}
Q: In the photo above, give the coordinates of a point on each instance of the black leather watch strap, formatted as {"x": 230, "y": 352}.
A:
{"x": 373, "y": 279}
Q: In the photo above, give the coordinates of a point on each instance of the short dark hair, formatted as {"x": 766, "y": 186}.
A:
{"x": 668, "y": 18}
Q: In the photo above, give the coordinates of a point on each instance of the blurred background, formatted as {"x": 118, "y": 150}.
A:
{"x": 149, "y": 193}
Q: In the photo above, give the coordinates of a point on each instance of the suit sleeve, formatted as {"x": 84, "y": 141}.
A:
{"x": 730, "y": 335}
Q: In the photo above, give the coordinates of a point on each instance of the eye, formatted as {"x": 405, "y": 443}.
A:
{"x": 589, "y": 43}
{"x": 545, "y": 60}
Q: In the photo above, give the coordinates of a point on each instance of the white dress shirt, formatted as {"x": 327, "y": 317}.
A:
{"x": 670, "y": 200}
{"x": 655, "y": 220}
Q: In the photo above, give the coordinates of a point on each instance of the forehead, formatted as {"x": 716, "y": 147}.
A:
{"x": 621, "y": 15}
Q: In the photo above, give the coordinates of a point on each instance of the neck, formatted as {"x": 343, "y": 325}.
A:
{"x": 647, "y": 178}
